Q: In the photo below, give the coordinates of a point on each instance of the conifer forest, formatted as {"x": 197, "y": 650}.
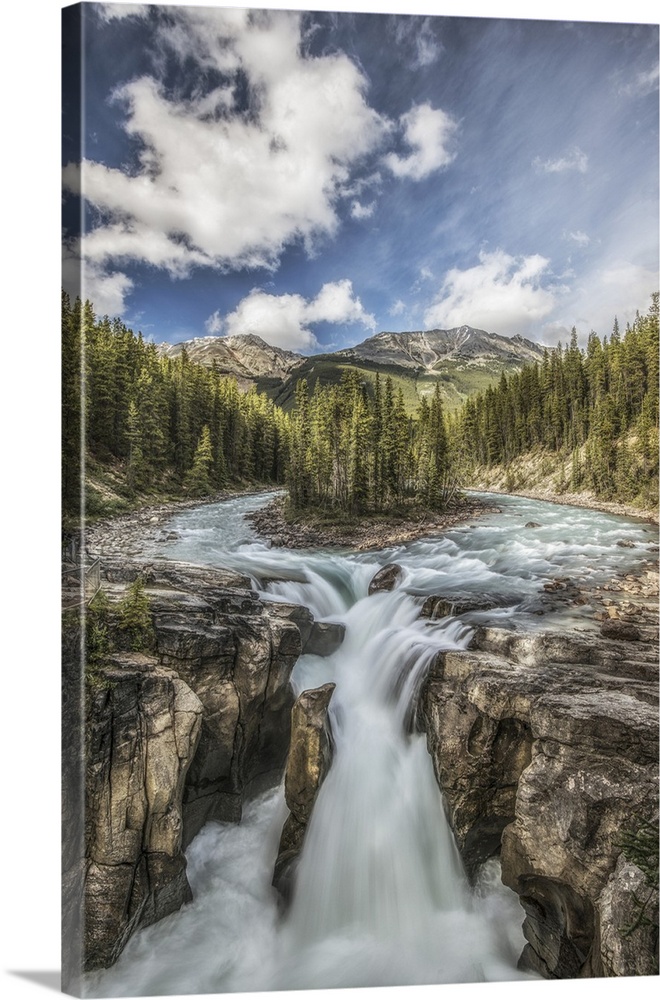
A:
{"x": 172, "y": 427}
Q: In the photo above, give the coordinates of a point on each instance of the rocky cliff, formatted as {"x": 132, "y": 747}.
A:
{"x": 545, "y": 746}
{"x": 177, "y": 735}
{"x": 308, "y": 762}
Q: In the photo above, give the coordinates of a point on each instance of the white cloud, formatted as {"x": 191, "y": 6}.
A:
{"x": 107, "y": 292}
{"x": 502, "y": 294}
{"x": 642, "y": 84}
{"x": 419, "y": 34}
{"x": 397, "y": 308}
{"x": 576, "y": 159}
{"x": 336, "y": 303}
{"x": 430, "y": 133}
{"x": 580, "y": 238}
{"x": 615, "y": 287}
{"x": 359, "y": 211}
{"x": 221, "y": 188}
{"x": 426, "y": 273}
{"x": 214, "y": 323}
{"x": 285, "y": 320}
{"x": 118, "y": 11}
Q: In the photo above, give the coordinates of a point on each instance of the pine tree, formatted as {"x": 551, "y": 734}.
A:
{"x": 198, "y": 479}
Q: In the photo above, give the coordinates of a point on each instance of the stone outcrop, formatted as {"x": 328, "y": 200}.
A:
{"x": 308, "y": 763}
{"x": 143, "y": 730}
{"x": 545, "y": 746}
{"x": 175, "y": 736}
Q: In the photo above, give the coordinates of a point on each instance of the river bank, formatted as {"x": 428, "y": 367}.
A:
{"x": 374, "y": 531}
{"x": 587, "y": 500}
{"x": 515, "y": 710}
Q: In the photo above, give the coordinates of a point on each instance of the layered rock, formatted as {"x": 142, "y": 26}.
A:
{"x": 308, "y": 763}
{"x": 174, "y": 737}
{"x": 143, "y": 729}
{"x": 545, "y": 746}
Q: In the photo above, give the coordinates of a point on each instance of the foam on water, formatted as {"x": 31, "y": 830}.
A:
{"x": 381, "y": 897}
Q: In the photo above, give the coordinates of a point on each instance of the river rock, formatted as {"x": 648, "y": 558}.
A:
{"x": 325, "y": 638}
{"x": 387, "y": 578}
{"x": 308, "y": 763}
{"x": 617, "y": 629}
{"x": 545, "y": 746}
{"x": 532, "y": 524}
{"x": 460, "y": 604}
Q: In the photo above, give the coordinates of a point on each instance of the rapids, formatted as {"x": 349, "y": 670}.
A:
{"x": 381, "y": 898}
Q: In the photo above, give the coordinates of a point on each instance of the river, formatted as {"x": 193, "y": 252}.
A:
{"x": 381, "y": 898}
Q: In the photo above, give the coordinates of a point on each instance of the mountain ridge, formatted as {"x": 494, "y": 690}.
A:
{"x": 463, "y": 360}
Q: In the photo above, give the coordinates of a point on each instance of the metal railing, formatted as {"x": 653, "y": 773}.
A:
{"x": 81, "y": 583}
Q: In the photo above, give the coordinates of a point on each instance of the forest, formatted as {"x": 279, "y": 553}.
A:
{"x": 168, "y": 427}
{"x": 598, "y": 406}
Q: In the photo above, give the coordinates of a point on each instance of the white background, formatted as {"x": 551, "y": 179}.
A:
{"x": 29, "y": 647}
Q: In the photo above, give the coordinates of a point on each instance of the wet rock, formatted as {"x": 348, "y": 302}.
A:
{"x": 175, "y": 739}
{"x": 325, "y": 638}
{"x": 308, "y": 763}
{"x": 145, "y": 725}
{"x": 626, "y": 543}
{"x": 277, "y": 541}
{"x": 439, "y": 607}
{"x": 532, "y": 524}
{"x": 546, "y": 747}
{"x": 387, "y": 578}
{"x": 614, "y": 628}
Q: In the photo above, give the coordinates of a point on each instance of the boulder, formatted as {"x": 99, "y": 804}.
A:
{"x": 325, "y": 638}
{"x": 308, "y": 763}
{"x": 387, "y": 578}
{"x": 532, "y": 524}
{"x": 545, "y": 746}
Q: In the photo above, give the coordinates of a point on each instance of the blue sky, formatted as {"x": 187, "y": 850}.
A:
{"x": 315, "y": 178}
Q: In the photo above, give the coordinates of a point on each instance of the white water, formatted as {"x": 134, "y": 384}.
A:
{"x": 381, "y": 898}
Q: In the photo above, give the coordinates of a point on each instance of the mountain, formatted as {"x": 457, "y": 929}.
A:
{"x": 430, "y": 350}
{"x": 462, "y": 360}
{"x": 247, "y": 357}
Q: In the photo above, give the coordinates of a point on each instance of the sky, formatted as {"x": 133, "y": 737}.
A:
{"x": 316, "y": 178}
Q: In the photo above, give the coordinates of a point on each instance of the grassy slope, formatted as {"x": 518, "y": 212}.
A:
{"x": 457, "y": 379}
{"x": 546, "y": 476}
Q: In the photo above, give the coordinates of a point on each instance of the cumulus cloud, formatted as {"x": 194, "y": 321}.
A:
{"x": 430, "y": 133}
{"x": 360, "y": 211}
{"x": 285, "y": 320}
{"x": 223, "y": 186}
{"x": 574, "y": 160}
{"x": 119, "y": 11}
{"x": 502, "y": 294}
{"x": 107, "y": 292}
{"x": 214, "y": 323}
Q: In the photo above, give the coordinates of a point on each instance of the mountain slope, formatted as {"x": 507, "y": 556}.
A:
{"x": 431, "y": 349}
{"x": 462, "y": 360}
{"x": 248, "y": 357}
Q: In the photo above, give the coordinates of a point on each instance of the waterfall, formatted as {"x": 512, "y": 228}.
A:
{"x": 380, "y": 896}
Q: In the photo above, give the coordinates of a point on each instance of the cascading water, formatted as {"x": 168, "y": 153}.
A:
{"x": 381, "y": 898}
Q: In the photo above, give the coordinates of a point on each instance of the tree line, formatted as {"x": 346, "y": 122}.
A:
{"x": 600, "y": 406}
{"x": 168, "y": 425}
